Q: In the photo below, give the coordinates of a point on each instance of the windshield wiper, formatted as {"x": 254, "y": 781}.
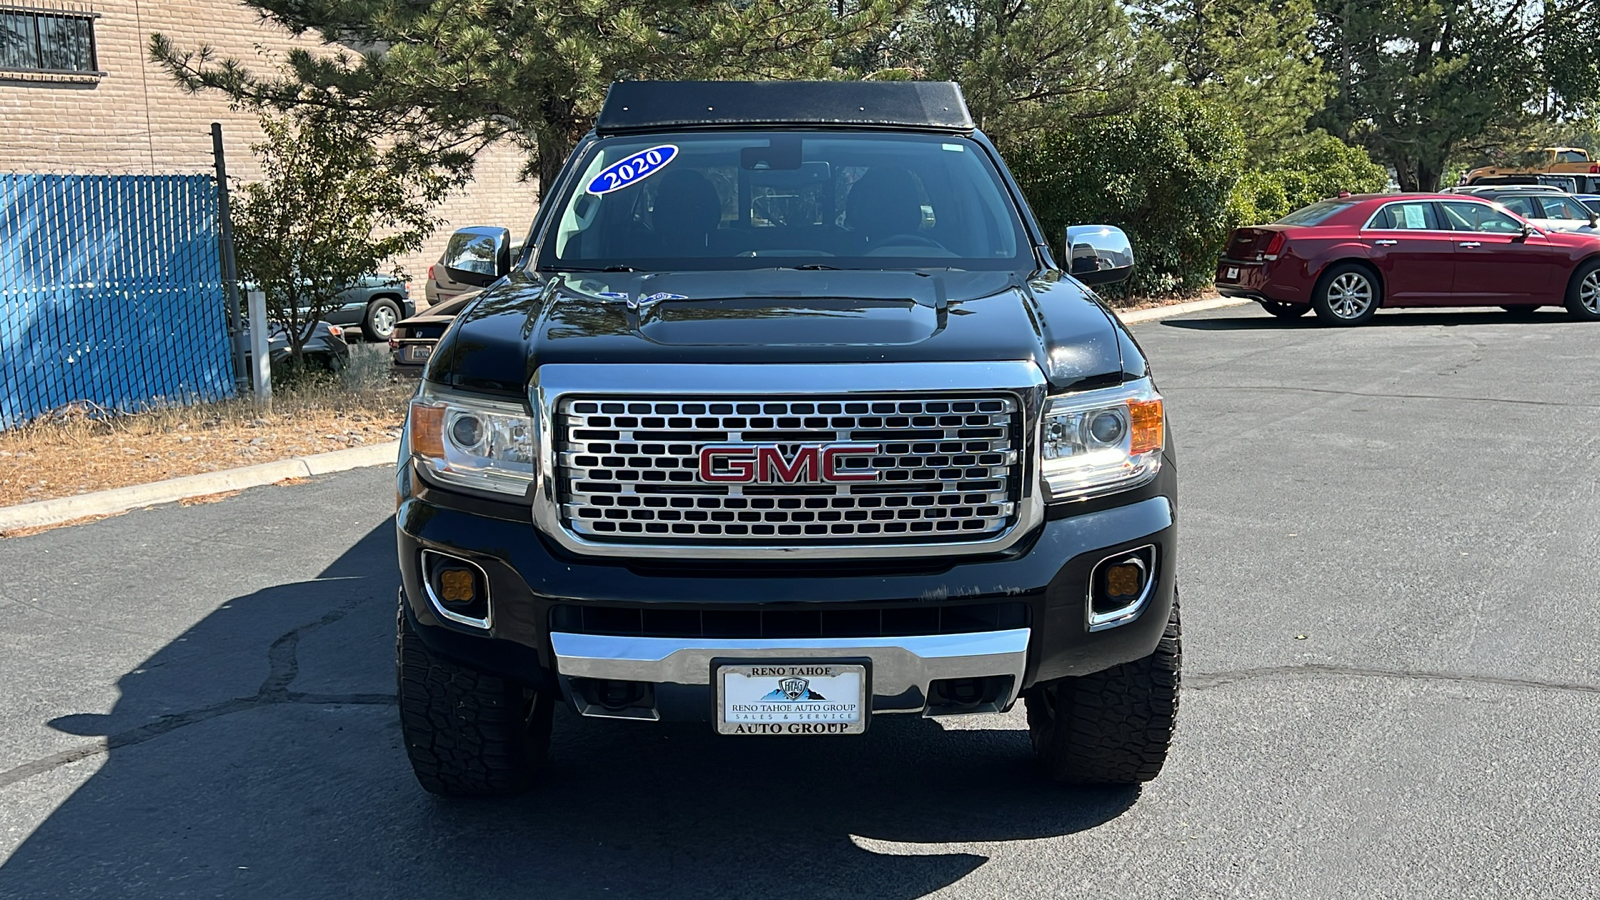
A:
{"x": 812, "y": 267}
{"x": 601, "y": 269}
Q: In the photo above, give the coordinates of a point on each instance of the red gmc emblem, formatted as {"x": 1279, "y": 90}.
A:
{"x": 766, "y": 464}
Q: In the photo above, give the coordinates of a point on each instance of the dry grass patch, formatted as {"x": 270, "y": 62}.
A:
{"x": 208, "y": 498}
{"x": 1150, "y": 301}
{"x": 77, "y": 450}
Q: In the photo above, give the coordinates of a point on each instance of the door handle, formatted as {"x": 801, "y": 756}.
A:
{"x": 1386, "y": 242}
{"x": 1470, "y": 244}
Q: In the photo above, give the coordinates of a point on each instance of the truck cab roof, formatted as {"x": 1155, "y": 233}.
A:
{"x": 633, "y": 107}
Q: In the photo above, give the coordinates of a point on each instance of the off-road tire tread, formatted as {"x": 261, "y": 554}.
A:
{"x": 1115, "y": 726}
{"x": 467, "y": 732}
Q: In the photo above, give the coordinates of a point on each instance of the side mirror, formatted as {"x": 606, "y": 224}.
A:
{"x": 478, "y": 256}
{"x": 1098, "y": 254}
{"x": 1528, "y": 230}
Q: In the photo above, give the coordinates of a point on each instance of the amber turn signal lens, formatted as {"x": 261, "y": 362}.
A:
{"x": 456, "y": 586}
{"x": 1123, "y": 582}
{"x": 427, "y": 430}
{"x": 1148, "y": 425}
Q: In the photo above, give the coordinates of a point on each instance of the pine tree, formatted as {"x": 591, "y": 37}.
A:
{"x": 450, "y": 76}
{"x": 1025, "y": 66}
{"x": 1252, "y": 57}
{"x": 1418, "y": 80}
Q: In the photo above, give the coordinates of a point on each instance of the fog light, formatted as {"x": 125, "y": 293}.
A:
{"x": 1119, "y": 587}
{"x": 1124, "y": 581}
{"x": 456, "y": 586}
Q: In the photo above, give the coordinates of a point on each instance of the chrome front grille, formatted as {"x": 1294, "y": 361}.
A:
{"x": 628, "y": 470}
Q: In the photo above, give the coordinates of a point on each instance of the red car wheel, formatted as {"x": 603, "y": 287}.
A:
{"x": 1347, "y": 294}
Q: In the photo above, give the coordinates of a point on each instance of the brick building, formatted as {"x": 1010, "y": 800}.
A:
{"x": 78, "y": 94}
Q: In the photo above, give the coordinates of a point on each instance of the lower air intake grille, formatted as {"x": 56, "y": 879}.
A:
{"x": 758, "y": 622}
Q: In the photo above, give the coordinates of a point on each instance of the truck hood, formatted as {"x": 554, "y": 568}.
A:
{"x": 779, "y": 316}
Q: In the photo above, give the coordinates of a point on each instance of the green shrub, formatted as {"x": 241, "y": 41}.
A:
{"x": 1321, "y": 170}
{"x": 1260, "y": 197}
{"x": 1165, "y": 173}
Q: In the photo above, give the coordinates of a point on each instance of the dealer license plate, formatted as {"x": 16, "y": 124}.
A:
{"x": 417, "y": 354}
{"x": 800, "y": 698}
{"x": 1232, "y": 273}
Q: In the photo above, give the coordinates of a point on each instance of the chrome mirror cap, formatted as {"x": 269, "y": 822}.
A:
{"x": 1098, "y": 254}
{"x": 478, "y": 256}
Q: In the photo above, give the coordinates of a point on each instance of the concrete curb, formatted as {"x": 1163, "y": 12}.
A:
{"x": 104, "y": 503}
{"x": 1179, "y": 309}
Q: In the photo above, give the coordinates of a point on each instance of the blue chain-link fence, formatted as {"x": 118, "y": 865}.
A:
{"x": 110, "y": 292}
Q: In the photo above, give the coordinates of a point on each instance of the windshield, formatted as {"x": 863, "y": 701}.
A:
{"x": 699, "y": 202}
{"x": 1315, "y": 214}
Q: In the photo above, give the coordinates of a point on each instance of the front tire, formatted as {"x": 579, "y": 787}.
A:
{"x": 1284, "y": 310}
{"x": 1347, "y": 294}
{"x": 468, "y": 733}
{"x": 1112, "y": 727}
{"x": 1583, "y": 292}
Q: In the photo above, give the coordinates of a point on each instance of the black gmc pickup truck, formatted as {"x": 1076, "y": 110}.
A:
{"x": 786, "y": 417}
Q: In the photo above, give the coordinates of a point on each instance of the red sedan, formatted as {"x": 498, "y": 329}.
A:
{"x": 1349, "y": 256}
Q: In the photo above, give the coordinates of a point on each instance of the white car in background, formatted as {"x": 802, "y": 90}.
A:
{"x": 1546, "y": 208}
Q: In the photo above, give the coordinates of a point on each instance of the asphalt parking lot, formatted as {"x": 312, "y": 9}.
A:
{"x": 1392, "y": 681}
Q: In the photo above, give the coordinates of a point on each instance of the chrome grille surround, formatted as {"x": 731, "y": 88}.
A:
{"x": 947, "y": 468}
{"x": 570, "y": 401}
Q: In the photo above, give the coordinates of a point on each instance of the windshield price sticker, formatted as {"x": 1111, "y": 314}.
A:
{"x": 633, "y": 169}
{"x": 822, "y": 698}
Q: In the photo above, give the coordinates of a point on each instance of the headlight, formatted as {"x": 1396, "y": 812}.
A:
{"x": 1098, "y": 442}
{"x": 483, "y": 445}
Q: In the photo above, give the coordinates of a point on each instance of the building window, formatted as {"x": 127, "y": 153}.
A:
{"x": 47, "y": 41}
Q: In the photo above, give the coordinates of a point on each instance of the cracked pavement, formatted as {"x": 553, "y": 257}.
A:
{"x": 1392, "y": 681}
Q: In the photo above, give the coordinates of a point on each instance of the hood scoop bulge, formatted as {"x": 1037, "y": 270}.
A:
{"x": 794, "y": 322}
{"x": 787, "y": 308}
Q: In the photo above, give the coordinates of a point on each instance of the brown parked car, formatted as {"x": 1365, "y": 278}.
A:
{"x": 440, "y": 287}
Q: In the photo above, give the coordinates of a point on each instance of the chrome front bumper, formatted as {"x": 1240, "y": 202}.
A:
{"x": 902, "y": 668}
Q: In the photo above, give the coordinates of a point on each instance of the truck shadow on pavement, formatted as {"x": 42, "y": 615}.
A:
{"x": 303, "y": 789}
